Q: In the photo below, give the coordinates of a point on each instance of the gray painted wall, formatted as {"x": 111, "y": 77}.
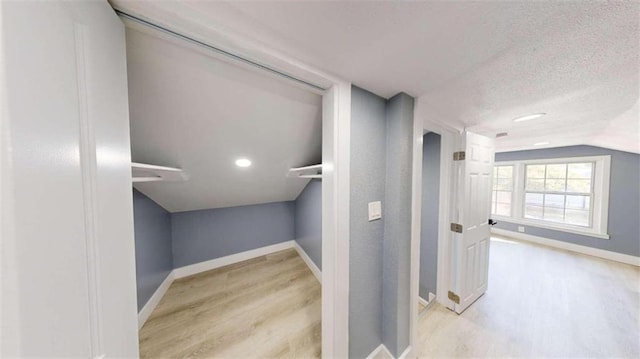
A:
{"x": 308, "y": 221}
{"x": 624, "y": 199}
{"x": 430, "y": 214}
{"x": 152, "y": 228}
{"x": 397, "y": 225}
{"x": 212, "y": 233}
{"x": 381, "y": 155}
{"x": 368, "y": 153}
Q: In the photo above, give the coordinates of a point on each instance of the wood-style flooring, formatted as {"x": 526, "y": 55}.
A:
{"x": 263, "y": 307}
{"x": 542, "y": 302}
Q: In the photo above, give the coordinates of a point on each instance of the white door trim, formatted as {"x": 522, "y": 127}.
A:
{"x": 77, "y": 223}
{"x": 423, "y": 122}
{"x": 336, "y": 118}
{"x": 335, "y": 143}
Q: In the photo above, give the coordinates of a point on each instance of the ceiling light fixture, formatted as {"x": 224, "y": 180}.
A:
{"x": 243, "y": 162}
{"x": 529, "y": 117}
{"x": 540, "y": 143}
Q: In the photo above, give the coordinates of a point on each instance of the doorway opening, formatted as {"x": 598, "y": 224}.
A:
{"x": 451, "y": 205}
{"x": 237, "y": 238}
{"x": 430, "y": 215}
{"x": 284, "y": 139}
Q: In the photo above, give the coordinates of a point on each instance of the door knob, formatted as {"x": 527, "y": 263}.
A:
{"x": 492, "y": 222}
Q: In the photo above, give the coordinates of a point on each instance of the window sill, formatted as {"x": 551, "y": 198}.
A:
{"x": 551, "y": 226}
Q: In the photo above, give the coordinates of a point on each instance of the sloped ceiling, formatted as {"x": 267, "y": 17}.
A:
{"x": 195, "y": 112}
{"x": 474, "y": 64}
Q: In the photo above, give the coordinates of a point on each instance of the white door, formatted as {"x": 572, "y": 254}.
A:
{"x": 471, "y": 228}
{"x": 68, "y": 263}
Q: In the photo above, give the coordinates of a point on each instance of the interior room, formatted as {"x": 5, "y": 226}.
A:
{"x": 228, "y": 230}
{"x": 336, "y": 179}
{"x": 541, "y": 259}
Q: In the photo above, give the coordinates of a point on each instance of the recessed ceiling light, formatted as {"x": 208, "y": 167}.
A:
{"x": 529, "y": 117}
{"x": 243, "y": 162}
{"x": 540, "y": 143}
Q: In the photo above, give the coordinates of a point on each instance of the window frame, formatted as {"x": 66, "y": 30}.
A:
{"x": 600, "y": 206}
{"x": 513, "y": 189}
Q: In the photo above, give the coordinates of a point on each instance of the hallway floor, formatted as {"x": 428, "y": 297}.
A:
{"x": 263, "y": 307}
{"x": 542, "y": 302}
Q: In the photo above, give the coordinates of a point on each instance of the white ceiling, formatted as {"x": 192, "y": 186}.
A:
{"x": 195, "y": 112}
{"x": 474, "y": 64}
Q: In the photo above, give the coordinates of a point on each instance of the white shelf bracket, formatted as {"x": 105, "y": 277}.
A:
{"x": 314, "y": 171}
{"x": 142, "y": 172}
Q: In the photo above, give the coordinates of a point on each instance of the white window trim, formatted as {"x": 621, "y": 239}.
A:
{"x": 513, "y": 188}
{"x": 601, "y": 181}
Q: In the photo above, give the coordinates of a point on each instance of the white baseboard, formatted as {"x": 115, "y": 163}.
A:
{"x": 596, "y": 252}
{"x": 305, "y": 257}
{"x": 152, "y": 303}
{"x": 192, "y": 269}
{"x": 381, "y": 352}
{"x": 230, "y": 259}
{"x": 407, "y": 353}
{"x": 423, "y": 301}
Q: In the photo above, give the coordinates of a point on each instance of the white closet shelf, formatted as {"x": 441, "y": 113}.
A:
{"x": 314, "y": 171}
{"x": 142, "y": 172}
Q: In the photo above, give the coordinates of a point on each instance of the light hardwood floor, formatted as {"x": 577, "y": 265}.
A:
{"x": 264, "y": 307}
{"x": 542, "y": 302}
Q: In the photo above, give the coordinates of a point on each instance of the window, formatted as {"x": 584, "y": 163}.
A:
{"x": 570, "y": 194}
{"x": 502, "y": 190}
{"x": 559, "y": 192}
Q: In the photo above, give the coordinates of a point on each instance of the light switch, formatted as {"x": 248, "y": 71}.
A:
{"x": 375, "y": 210}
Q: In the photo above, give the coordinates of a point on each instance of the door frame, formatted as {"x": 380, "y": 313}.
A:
{"x": 426, "y": 121}
{"x": 336, "y": 127}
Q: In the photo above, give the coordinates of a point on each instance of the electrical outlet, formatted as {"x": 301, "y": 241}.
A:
{"x": 521, "y": 229}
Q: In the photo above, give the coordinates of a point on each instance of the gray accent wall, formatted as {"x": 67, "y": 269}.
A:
{"x": 154, "y": 259}
{"x": 397, "y": 225}
{"x": 430, "y": 214}
{"x": 165, "y": 241}
{"x": 367, "y": 177}
{"x": 308, "y": 221}
{"x": 381, "y": 164}
{"x": 624, "y": 199}
{"x": 212, "y": 233}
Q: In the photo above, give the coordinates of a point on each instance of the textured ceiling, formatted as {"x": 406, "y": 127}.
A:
{"x": 473, "y": 64}
{"x": 195, "y": 112}
{"x": 584, "y": 74}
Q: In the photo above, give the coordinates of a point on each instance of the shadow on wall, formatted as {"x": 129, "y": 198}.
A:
{"x": 430, "y": 214}
{"x": 154, "y": 258}
{"x": 308, "y": 221}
